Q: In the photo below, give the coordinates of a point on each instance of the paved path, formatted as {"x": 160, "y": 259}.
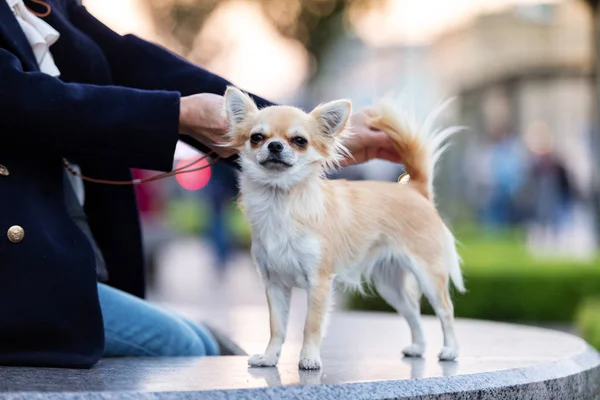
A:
{"x": 186, "y": 276}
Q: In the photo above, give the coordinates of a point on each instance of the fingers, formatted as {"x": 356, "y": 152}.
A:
{"x": 368, "y": 144}
{"x": 360, "y": 121}
{"x": 369, "y": 114}
{"x": 380, "y": 141}
{"x": 388, "y": 155}
{"x": 373, "y": 153}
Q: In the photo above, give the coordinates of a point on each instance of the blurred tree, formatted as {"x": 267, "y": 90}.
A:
{"x": 314, "y": 23}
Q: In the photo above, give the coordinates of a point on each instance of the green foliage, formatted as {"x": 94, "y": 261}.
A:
{"x": 192, "y": 215}
{"x": 588, "y": 321}
{"x": 237, "y": 225}
{"x": 187, "y": 215}
{"x": 505, "y": 283}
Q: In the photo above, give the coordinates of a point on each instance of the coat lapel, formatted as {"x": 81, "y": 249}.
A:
{"x": 13, "y": 35}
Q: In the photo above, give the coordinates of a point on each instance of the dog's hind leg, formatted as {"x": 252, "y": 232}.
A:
{"x": 434, "y": 280}
{"x": 400, "y": 289}
{"x": 442, "y": 305}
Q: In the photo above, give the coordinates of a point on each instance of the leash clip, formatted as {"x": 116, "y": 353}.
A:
{"x": 404, "y": 178}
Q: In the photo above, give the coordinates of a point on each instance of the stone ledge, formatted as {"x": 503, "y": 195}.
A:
{"x": 361, "y": 357}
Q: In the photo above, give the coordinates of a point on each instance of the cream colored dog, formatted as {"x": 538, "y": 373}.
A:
{"x": 309, "y": 232}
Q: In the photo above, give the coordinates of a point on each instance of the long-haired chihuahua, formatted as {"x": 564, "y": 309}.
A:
{"x": 312, "y": 233}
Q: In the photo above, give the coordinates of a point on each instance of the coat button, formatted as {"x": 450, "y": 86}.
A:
{"x": 4, "y": 170}
{"x": 15, "y": 233}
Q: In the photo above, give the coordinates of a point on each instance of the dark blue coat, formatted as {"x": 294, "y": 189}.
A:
{"x": 115, "y": 107}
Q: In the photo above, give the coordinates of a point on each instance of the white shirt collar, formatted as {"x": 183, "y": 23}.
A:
{"x": 39, "y": 34}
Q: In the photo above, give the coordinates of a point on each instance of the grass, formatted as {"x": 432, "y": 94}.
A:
{"x": 588, "y": 321}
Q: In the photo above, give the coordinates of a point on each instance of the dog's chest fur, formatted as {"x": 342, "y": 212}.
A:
{"x": 285, "y": 251}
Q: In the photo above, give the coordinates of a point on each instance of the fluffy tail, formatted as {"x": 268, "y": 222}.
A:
{"x": 420, "y": 146}
{"x": 454, "y": 262}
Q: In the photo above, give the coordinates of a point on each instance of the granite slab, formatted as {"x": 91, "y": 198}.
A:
{"x": 361, "y": 360}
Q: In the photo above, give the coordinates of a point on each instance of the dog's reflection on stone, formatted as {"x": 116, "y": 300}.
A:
{"x": 273, "y": 376}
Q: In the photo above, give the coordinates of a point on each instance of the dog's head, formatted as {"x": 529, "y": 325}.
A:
{"x": 281, "y": 145}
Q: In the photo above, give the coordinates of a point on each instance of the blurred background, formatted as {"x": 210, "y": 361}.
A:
{"x": 519, "y": 188}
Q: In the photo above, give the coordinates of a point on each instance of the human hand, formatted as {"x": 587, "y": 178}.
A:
{"x": 367, "y": 143}
{"x": 201, "y": 116}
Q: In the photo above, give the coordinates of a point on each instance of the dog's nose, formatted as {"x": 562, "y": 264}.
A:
{"x": 275, "y": 147}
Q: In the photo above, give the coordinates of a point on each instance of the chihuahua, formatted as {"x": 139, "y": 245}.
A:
{"x": 310, "y": 232}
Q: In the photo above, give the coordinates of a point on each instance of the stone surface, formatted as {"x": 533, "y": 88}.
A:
{"x": 362, "y": 360}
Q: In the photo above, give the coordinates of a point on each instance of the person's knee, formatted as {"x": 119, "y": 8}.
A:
{"x": 135, "y": 328}
{"x": 206, "y": 337}
{"x": 176, "y": 339}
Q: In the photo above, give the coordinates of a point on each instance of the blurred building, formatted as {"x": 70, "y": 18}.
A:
{"x": 527, "y": 65}
{"x": 524, "y": 79}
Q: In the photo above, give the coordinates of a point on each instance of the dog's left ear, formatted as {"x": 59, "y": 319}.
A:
{"x": 332, "y": 117}
{"x": 238, "y": 105}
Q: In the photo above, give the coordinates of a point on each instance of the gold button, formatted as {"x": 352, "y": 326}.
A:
{"x": 15, "y": 234}
{"x": 4, "y": 170}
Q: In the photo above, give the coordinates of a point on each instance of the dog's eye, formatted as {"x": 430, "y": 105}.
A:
{"x": 299, "y": 141}
{"x": 256, "y": 138}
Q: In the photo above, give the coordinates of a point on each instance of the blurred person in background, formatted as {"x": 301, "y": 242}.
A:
{"x": 220, "y": 191}
{"x": 550, "y": 191}
{"x": 554, "y": 195}
{"x": 72, "y": 261}
{"x": 505, "y": 157}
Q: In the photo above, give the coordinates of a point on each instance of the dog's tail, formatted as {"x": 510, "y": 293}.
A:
{"x": 420, "y": 146}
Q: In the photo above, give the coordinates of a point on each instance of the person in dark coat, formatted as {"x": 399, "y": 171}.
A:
{"x": 71, "y": 261}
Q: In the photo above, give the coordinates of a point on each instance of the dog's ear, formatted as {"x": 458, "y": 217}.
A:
{"x": 332, "y": 117}
{"x": 238, "y": 105}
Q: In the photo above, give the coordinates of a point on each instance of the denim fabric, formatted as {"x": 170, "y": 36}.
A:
{"x": 136, "y": 328}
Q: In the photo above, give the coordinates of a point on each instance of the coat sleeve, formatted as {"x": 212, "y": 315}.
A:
{"x": 132, "y": 127}
{"x": 137, "y": 63}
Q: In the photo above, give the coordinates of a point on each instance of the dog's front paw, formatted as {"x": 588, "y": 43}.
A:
{"x": 414, "y": 350}
{"x": 309, "y": 363}
{"x": 262, "y": 360}
{"x": 448, "y": 353}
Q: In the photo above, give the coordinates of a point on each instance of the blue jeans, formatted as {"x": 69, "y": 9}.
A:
{"x": 134, "y": 327}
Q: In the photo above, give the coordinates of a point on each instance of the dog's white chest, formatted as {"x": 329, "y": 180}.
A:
{"x": 284, "y": 252}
